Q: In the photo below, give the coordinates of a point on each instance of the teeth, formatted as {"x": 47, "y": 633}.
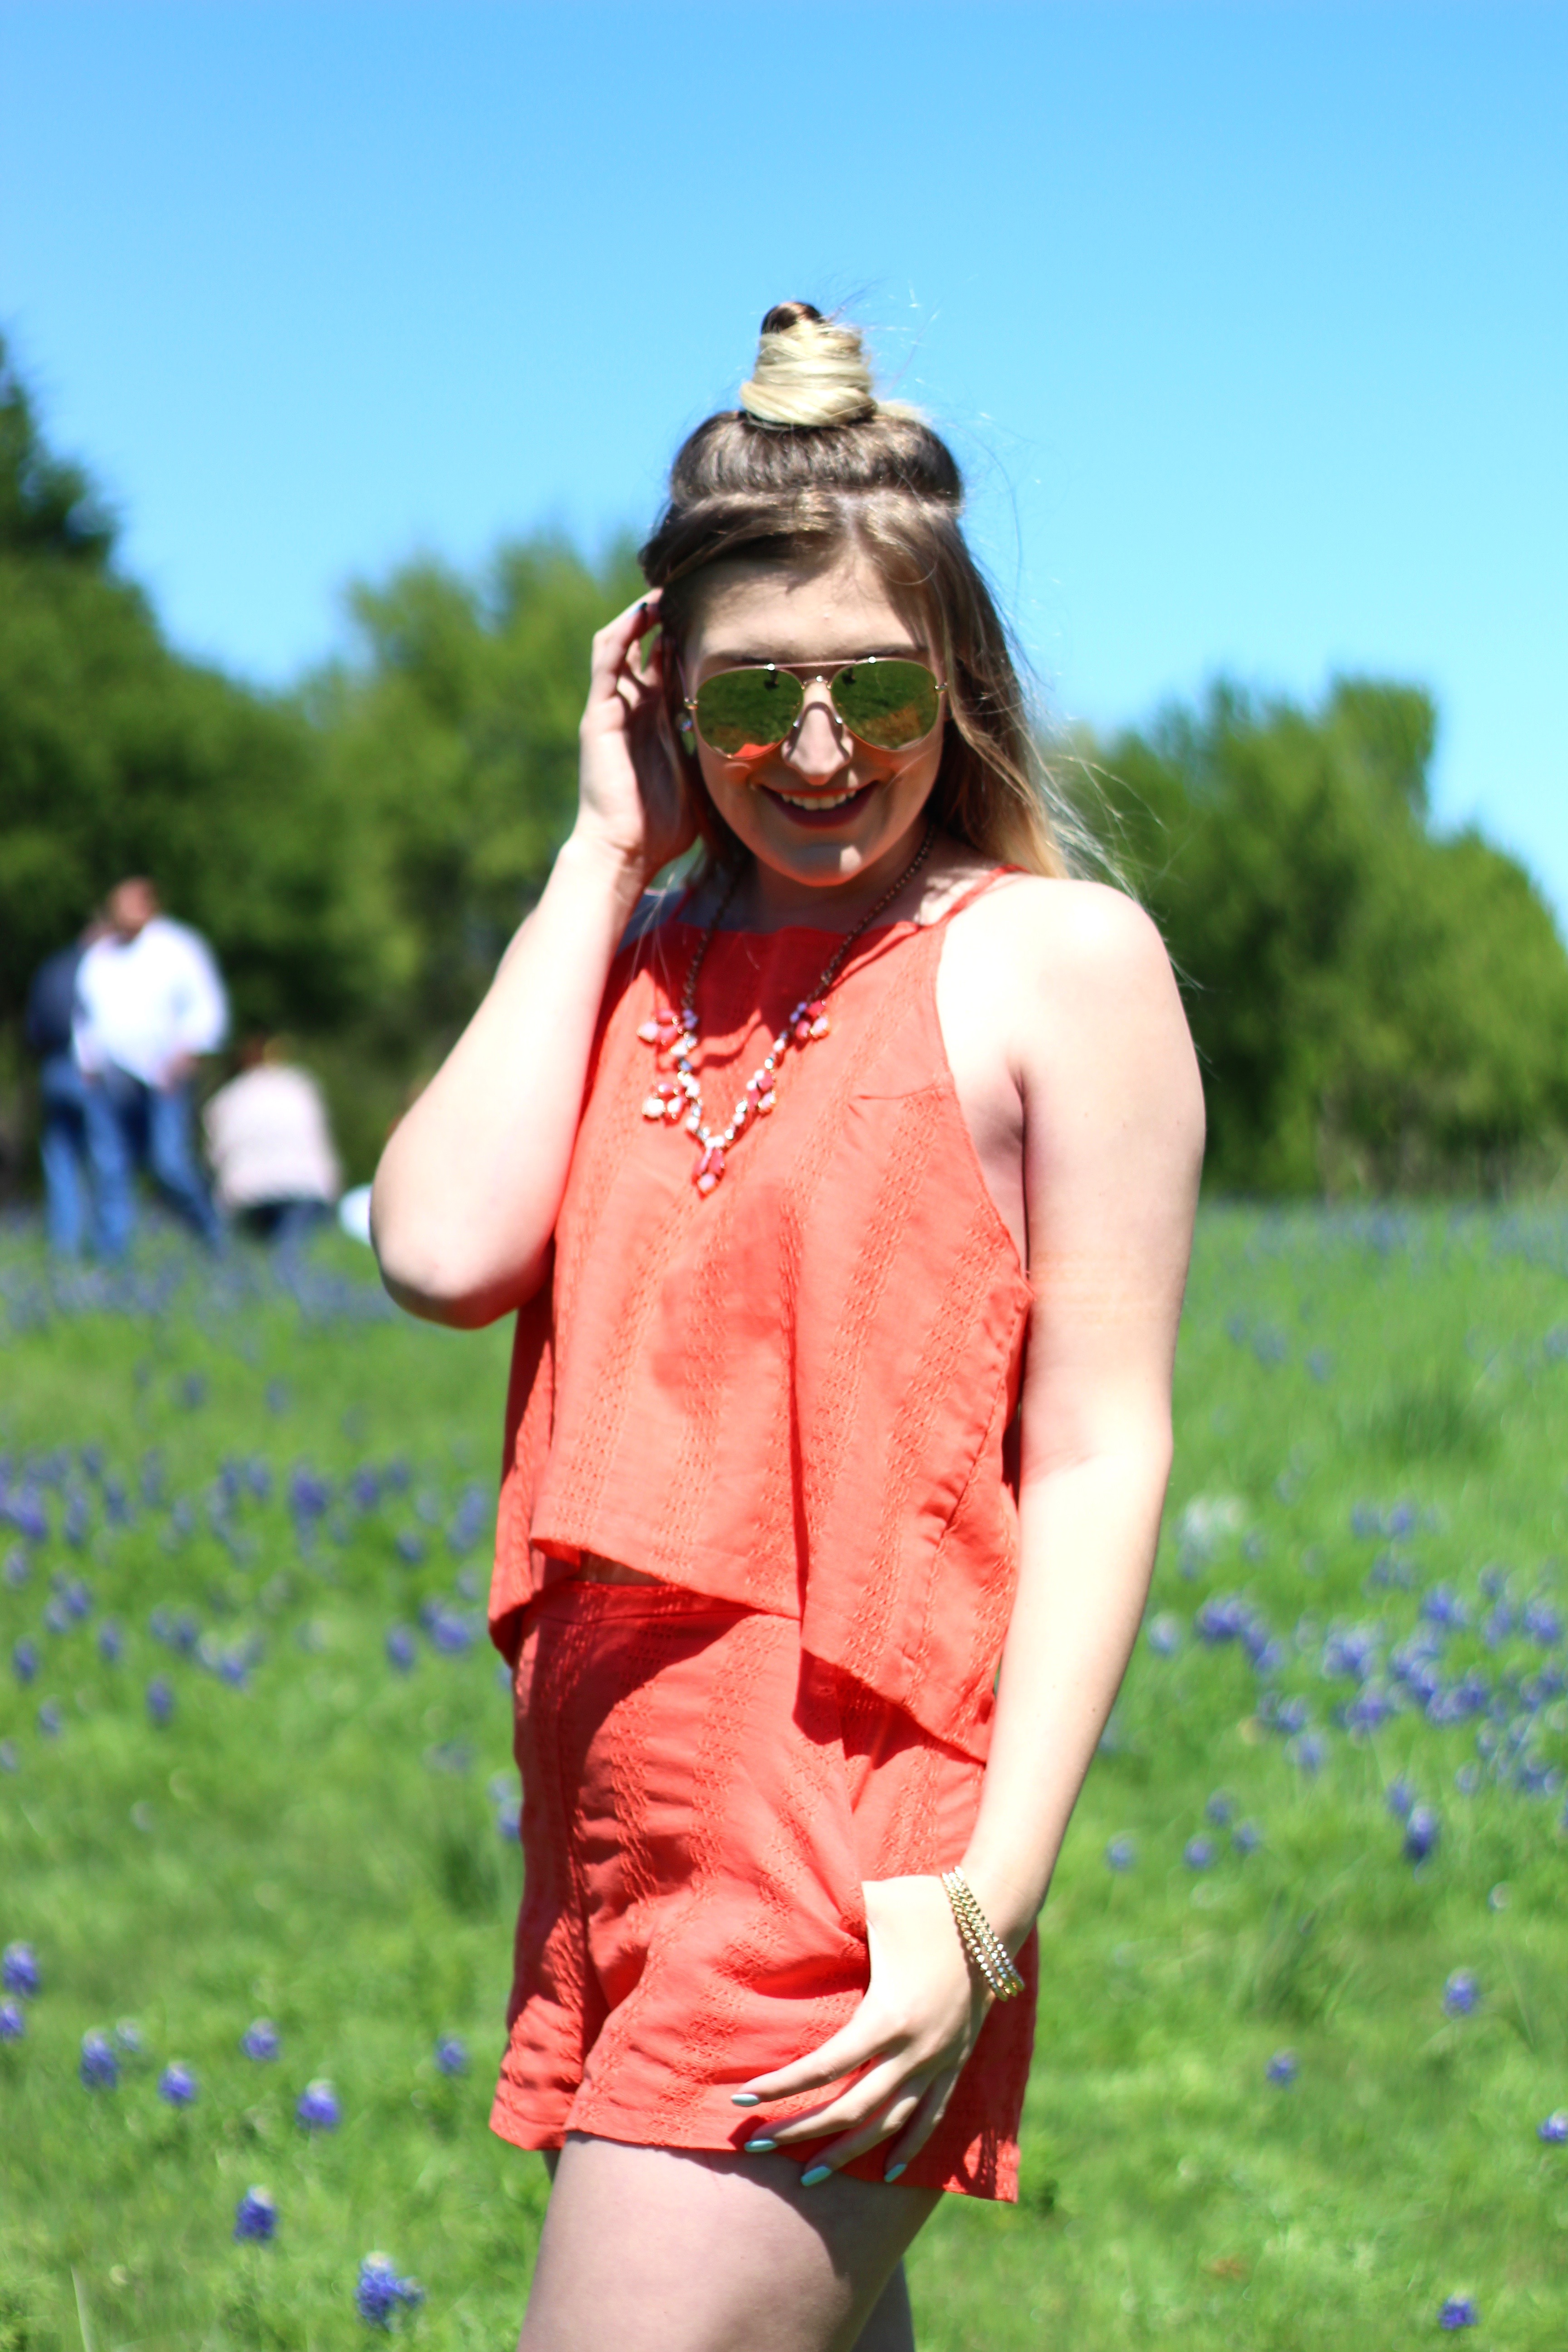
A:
{"x": 819, "y": 800}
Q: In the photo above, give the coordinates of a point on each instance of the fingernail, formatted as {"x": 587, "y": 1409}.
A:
{"x": 759, "y": 2148}
{"x": 893, "y": 2171}
{"x": 744, "y": 2099}
{"x": 817, "y": 2172}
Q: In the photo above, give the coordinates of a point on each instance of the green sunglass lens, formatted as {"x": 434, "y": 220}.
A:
{"x": 744, "y": 712}
{"x": 887, "y": 703}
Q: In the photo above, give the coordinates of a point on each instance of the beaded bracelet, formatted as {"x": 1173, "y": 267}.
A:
{"x": 984, "y": 1945}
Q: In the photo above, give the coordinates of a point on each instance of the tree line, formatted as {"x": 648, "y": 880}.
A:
{"x": 1379, "y": 1006}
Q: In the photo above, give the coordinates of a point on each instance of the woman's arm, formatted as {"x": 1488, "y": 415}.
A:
{"x": 470, "y": 1184}
{"x": 1113, "y": 1148}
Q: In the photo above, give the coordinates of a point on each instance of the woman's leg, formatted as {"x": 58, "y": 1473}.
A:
{"x": 667, "y": 2250}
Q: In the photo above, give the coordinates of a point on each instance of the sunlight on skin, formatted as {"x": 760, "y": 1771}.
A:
{"x": 813, "y": 620}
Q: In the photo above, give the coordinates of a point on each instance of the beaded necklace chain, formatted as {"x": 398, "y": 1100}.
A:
{"x": 678, "y": 1099}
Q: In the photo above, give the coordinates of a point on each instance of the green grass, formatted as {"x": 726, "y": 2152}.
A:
{"x": 320, "y": 1846}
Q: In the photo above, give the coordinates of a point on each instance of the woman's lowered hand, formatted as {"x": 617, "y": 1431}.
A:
{"x": 904, "y": 2046}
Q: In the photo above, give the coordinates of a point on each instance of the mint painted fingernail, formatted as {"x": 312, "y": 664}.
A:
{"x": 893, "y": 2171}
{"x": 817, "y": 2172}
{"x": 758, "y": 2146}
{"x": 744, "y": 2099}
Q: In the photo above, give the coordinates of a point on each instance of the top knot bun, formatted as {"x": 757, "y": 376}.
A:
{"x": 808, "y": 373}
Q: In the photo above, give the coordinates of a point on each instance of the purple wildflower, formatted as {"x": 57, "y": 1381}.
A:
{"x": 1400, "y": 1797}
{"x": 317, "y": 2109}
{"x": 261, "y": 2039}
{"x": 1246, "y": 1837}
{"x": 1310, "y": 1753}
{"x": 1219, "y": 1809}
{"x": 452, "y": 2054}
{"x": 1541, "y": 1622}
{"x": 380, "y": 2292}
{"x": 1422, "y": 1833}
{"x": 1198, "y": 1853}
{"x": 51, "y": 1722}
{"x": 25, "y": 1660}
{"x": 1458, "y": 2311}
{"x": 1121, "y": 1853}
{"x": 177, "y": 2084}
{"x": 400, "y": 1649}
{"x": 1164, "y": 1635}
{"x": 1282, "y": 2069}
{"x": 99, "y": 2068}
{"x": 410, "y": 1545}
{"x": 17, "y": 1568}
{"x": 256, "y": 2216}
{"x": 1292, "y": 1714}
{"x": 19, "y": 1970}
{"x": 111, "y": 1642}
{"x": 14, "y": 2023}
{"x": 1461, "y": 1993}
{"x": 160, "y": 1700}
{"x": 1554, "y": 2128}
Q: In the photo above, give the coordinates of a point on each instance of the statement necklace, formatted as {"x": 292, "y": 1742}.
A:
{"x": 679, "y": 1100}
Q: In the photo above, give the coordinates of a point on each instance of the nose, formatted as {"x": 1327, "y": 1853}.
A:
{"x": 818, "y": 748}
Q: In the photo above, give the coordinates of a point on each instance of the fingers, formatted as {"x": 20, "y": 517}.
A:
{"x": 853, "y": 2046}
{"x": 927, "y": 2113}
{"x": 852, "y": 2107}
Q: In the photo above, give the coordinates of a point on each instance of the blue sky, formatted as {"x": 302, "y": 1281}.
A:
{"x": 1251, "y": 323}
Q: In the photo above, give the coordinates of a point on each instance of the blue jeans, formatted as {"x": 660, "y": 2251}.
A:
{"x": 63, "y": 1150}
{"x": 130, "y": 1124}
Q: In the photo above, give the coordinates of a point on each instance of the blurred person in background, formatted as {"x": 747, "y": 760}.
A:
{"x": 48, "y": 1027}
{"x": 150, "y": 1002}
{"x": 270, "y": 1145}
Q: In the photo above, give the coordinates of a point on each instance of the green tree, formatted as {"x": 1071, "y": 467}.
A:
{"x": 1375, "y": 1005}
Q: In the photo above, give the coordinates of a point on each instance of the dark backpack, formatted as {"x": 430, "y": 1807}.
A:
{"x": 51, "y": 1003}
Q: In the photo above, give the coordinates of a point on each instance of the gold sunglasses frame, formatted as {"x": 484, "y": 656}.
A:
{"x": 821, "y": 677}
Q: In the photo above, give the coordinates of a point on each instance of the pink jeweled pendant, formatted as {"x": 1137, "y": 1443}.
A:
{"x": 709, "y": 1169}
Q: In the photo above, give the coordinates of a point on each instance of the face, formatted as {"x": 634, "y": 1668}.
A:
{"x": 821, "y": 808}
{"x": 132, "y": 907}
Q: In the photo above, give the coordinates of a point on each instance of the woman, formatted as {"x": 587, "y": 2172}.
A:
{"x": 845, "y": 1200}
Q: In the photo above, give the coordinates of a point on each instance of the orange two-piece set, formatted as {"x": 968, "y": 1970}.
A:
{"x": 790, "y": 1401}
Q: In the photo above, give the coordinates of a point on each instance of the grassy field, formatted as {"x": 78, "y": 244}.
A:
{"x": 1306, "y": 1960}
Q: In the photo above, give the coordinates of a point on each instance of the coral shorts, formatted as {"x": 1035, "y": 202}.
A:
{"x": 701, "y": 1803}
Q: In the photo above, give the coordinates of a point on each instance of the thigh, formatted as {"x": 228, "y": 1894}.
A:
{"x": 666, "y": 2249}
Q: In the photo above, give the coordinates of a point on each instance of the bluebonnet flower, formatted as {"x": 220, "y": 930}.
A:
{"x": 1292, "y": 1714}
{"x": 1282, "y": 2069}
{"x": 317, "y": 2109}
{"x": 1164, "y": 1635}
{"x": 1121, "y": 1853}
{"x": 25, "y": 1660}
{"x": 13, "y": 2020}
{"x": 1221, "y": 1617}
{"x": 18, "y": 1568}
{"x": 1461, "y": 1993}
{"x": 19, "y": 1970}
{"x": 410, "y": 1545}
{"x": 77, "y": 1597}
{"x": 1370, "y": 1709}
{"x": 1399, "y": 1797}
{"x": 1400, "y": 1520}
{"x": 1468, "y": 1780}
{"x": 1366, "y": 1521}
{"x": 1422, "y": 1833}
{"x": 177, "y": 2084}
{"x": 364, "y": 1487}
{"x": 1310, "y": 1753}
{"x": 309, "y": 1495}
{"x": 111, "y": 1642}
{"x": 452, "y": 2054}
{"x": 380, "y": 2292}
{"x": 57, "y": 1616}
{"x": 255, "y": 2216}
{"x": 1458, "y": 2311}
{"x": 232, "y": 1669}
{"x": 1219, "y": 1809}
{"x": 160, "y": 1700}
{"x": 400, "y": 1649}
{"x": 51, "y": 1722}
{"x": 1554, "y": 2128}
{"x": 1442, "y": 1606}
{"x": 261, "y": 2039}
{"x": 1246, "y": 1837}
{"x": 1198, "y": 1853}
{"x": 1541, "y": 1622}
{"x": 99, "y": 2068}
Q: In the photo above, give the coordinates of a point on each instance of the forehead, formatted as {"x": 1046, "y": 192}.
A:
{"x": 795, "y": 614}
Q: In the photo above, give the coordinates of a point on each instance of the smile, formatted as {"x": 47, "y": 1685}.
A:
{"x": 817, "y": 801}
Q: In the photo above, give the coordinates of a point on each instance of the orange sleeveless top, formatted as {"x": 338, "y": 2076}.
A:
{"x": 796, "y": 1393}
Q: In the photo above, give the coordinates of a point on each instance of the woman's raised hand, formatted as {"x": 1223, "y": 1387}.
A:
{"x": 630, "y": 797}
{"x": 905, "y": 2044}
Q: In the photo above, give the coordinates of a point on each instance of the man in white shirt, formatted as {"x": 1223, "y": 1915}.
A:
{"x": 148, "y": 1001}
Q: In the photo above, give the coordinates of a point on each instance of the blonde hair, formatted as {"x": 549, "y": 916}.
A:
{"x": 812, "y": 461}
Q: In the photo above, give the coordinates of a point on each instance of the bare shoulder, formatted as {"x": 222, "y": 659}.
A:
{"x": 1054, "y": 934}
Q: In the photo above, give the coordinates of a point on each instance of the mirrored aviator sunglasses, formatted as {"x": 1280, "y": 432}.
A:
{"x": 743, "y": 713}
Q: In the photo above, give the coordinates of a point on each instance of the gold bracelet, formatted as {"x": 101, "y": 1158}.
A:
{"x": 979, "y": 1937}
